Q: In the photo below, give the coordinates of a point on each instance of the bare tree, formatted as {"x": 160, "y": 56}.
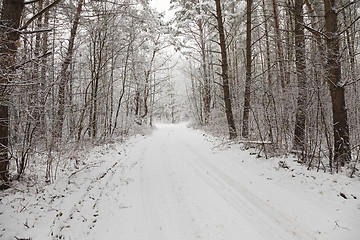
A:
{"x": 299, "y": 135}
{"x": 64, "y": 74}
{"x": 342, "y": 153}
{"x": 225, "y": 76}
{"x": 10, "y": 21}
{"x": 245, "y": 122}
{"x": 279, "y": 45}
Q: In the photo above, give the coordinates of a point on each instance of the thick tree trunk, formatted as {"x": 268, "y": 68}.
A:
{"x": 299, "y": 135}
{"x": 225, "y": 77}
{"x": 342, "y": 152}
{"x": 10, "y": 19}
{"x": 64, "y": 71}
{"x": 245, "y": 122}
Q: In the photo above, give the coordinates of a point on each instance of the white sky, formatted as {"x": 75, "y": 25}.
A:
{"x": 163, "y": 6}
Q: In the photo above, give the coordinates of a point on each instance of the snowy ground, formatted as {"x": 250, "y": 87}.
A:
{"x": 179, "y": 184}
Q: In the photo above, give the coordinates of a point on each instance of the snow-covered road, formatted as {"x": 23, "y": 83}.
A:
{"x": 182, "y": 189}
{"x": 186, "y": 195}
{"x": 174, "y": 185}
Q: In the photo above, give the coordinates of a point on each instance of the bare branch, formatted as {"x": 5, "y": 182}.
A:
{"x": 47, "y": 8}
{"x": 37, "y": 31}
{"x": 347, "y": 27}
{"x": 352, "y": 82}
{"x": 346, "y": 5}
{"x": 30, "y": 60}
{"x": 30, "y": 2}
{"x": 315, "y": 32}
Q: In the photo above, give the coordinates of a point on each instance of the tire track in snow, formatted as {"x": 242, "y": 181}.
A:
{"x": 166, "y": 211}
{"x": 259, "y": 212}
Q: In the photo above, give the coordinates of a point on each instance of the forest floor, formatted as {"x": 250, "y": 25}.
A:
{"x": 179, "y": 183}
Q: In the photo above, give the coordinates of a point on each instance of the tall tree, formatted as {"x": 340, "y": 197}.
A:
{"x": 193, "y": 22}
{"x": 245, "y": 122}
{"x": 299, "y": 135}
{"x": 10, "y": 30}
{"x": 225, "y": 76}
{"x": 9, "y": 35}
{"x": 279, "y": 44}
{"x": 64, "y": 74}
{"x": 342, "y": 153}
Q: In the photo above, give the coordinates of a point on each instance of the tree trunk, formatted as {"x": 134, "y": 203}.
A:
{"x": 299, "y": 135}
{"x": 35, "y": 96}
{"x": 137, "y": 102}
{"x": 268, "y": 96}
{"x": 225, "y": 77}
{"x": 124, "y": 75}
{"x": 342, "y": 152}
{"x": 245, "y": 122}
{"x": 147, "y": 85}
{"x": 64, "y": 71}
{"x": 43, "y": 70}
{"x": 206, "y": 83}
{"x": 10, "y": 19}
{"x": 94, "y": 95}
{"x": 278, "y": 44}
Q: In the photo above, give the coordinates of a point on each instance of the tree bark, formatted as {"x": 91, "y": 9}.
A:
{"x": 206, "y": 83}
{"x": 147, "y": 84}
{"x": 10, "y": 20}
{"x": 342, "y": 152}
{"x": 299, "y": 135}
{"x": 245, "y": 122}
{"x": 64, "y": 71}
{"x": 124, "y": 76}
{"x": 43, "y": 70}
{"x": 278, "y": 44}
{"x": 268, "y": 95}
{"x": 225, "y": 76}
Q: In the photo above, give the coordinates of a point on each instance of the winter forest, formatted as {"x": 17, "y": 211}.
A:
{"x": 97, "y": 90}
